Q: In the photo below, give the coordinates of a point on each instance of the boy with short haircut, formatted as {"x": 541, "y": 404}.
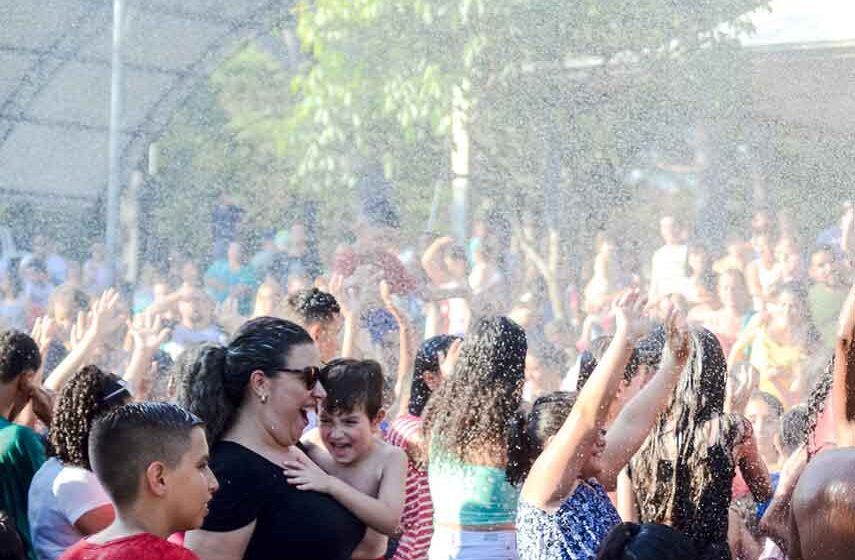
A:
{"x": 826, "y": 294}
{"x": 152, "y": 459}
{"x": 361, "y": 471}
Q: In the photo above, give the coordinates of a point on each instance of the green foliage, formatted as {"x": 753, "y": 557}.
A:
{"x": 562, "y": 99}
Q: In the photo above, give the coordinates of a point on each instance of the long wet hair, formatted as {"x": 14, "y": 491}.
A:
{"x": 547, "y": 415}
{"x": 427, "y": 360}
{"x": 472, "y": 413}
{"x": 88, "y": 394}
{"x": 212, "y": 379}
{"x": 699, "y": 398}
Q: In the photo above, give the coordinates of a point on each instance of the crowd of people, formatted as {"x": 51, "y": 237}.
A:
{"x": 451, "y": 402}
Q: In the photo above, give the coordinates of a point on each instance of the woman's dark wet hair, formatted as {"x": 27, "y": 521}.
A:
{"x": 212, "y": 379}
{"x": 427, "y": 360}
{"x": 529, "y": 436}
{"x": 699, "y": 398}
{"x": 473, "y": 411}
{"x": 649, "y": 541}
{"x": 89, "y": 394}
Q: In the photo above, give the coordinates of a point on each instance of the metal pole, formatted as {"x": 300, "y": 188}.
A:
{"x": 116, "y": 109}
{"x": 460, "y": 167}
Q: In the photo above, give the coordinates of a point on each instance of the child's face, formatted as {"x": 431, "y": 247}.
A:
{"x": 766, "y": 424}
{"x": 192, "y": 485}
{"x": 348, "y": 436}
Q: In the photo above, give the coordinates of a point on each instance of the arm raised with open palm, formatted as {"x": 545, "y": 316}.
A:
{"x": 555, "y": 472}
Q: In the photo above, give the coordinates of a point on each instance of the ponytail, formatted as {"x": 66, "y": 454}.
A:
{"x": 202, "y": 390}
{"x": 520, "y": 456}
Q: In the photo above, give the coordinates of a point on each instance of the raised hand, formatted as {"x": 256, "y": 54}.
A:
{"x": 740, "y": 385}
{"x": 629, "y": 314}
{"x": 448, "y": 360}
{"x": 677, "y": 336}
{"x": 147, "y": 332}
{"x": 44, "y": 330}
{"x": 104, "y": 313}
{"x": 347, "y": 298}
{"x": 846, "y": 321}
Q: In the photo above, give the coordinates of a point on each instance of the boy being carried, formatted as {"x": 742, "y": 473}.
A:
{"x": 358, "y": 469}
{"x": 152, "y": 459}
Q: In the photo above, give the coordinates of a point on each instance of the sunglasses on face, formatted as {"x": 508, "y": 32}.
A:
{"x": 310, "y": 375}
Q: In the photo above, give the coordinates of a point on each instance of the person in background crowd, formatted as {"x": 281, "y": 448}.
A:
{"x": 734, "y": 312}
{"x": 21, "y": 451}
{"x": 779, "y": 341}
{"x": 320, "y": 314}
{"x": 826, "y": 295}
{"x": 433, "y": 363}
{"x": 97, "y": 275}
{"x": 765, "y": 412}
{"x": 231, "y": 277}
{"x": 66, "y": 501}
{"x": 196, "y": 322}
{"x": 225, "y": 224}
{"x": 13, "y": 309}
{"x": 763, "y": 273}
{"x": 789, "y": 260}
{"x": 668, "y": 268}
{"x": 37, "y": 287}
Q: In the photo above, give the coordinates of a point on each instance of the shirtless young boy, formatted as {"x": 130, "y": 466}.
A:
{"x": 351, "y": 464}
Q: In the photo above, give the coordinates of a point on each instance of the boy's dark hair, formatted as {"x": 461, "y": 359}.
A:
{"x": 11, "y": 545}
{"x": 18, "y": 353}
{"x": 350, "y": 383}
{"x": 794, "y": 428}
{"x": 125, "y": 441}
{"x": 771, "y": 401}
{"x": 312, "y": 306}
{"x": 38, "y": 265}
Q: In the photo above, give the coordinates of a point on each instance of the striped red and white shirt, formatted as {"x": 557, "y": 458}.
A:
{"x": 417, "y": 519}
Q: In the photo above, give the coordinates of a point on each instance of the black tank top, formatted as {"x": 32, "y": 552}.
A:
{"x": 290, "y": 523}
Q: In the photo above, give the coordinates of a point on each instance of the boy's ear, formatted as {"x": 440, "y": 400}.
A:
{"x": 155, "y": 479}
{"x": 381, "y": 414}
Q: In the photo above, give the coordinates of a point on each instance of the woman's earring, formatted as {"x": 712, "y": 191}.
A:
{"x": 263, "y": 398}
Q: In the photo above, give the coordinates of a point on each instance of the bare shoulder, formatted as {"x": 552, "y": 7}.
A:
{"x": 390, "y": 456}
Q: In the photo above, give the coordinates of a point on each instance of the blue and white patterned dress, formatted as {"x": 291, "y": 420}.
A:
{"x": 573, "y": 532}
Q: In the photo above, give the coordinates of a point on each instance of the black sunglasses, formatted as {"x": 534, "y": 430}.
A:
{"x": 311, "y": 375}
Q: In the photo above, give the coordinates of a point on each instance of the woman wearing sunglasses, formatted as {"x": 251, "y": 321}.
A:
{"x": 255, "y": 394}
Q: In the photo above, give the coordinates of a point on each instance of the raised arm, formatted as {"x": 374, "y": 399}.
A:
{"x": 431, "y": 261}
{"x": 102, "y": 310}
{"x": 406, "y": 342}
{"x": 555, "y": 472}
{"x": 633, "y": 424}
{"x": 843, "y": 384}
{"x": 148, "y": 334}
